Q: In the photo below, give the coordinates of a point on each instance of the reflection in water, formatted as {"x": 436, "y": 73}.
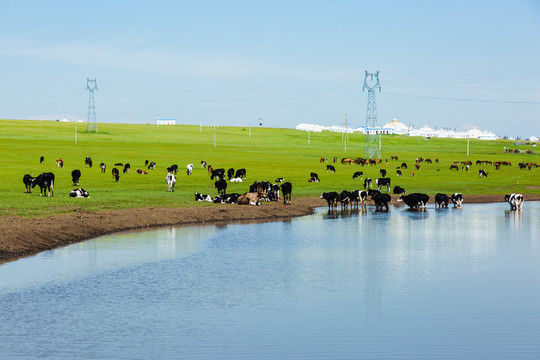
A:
{"x": 339, "y": 284}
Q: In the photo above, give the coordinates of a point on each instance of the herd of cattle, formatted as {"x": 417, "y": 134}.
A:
{"x": 258, "y": 191}
{"x": 358, "y": 198}
{"x": 268, "y": 191}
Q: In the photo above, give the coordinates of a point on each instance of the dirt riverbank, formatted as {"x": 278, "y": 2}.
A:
{"x": 25, "y": 237}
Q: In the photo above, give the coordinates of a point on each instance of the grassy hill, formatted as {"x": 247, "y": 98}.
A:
{"x": 268, "y": 154}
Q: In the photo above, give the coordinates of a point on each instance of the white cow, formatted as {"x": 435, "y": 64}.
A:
{"x": 171, "y": 180}
{"x": 515, "y": 201}
{"x": 189, "y": 168}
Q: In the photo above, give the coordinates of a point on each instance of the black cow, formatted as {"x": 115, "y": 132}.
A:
{"x": 75, "y": 176}
{"x": 221, "y": 186}
{"x": 415, "y": 200}
{"x": 152, "y": 166}
{"x": 330, "y": 168}
{"x": 88, "y": 162}
{"x": 27, "y": 180}
{"x": 126, "y": 169}
{"x": 383, "y": 172}
{"x": 398, "y": 190}
{"x": 380, "y": 200}
{"x": 173, "y": 169}
{"x": 398, "y": 172}
{"x": 286, "y": 189}
{"x": 230, "y": 173}
{"x": 344, "y": 198}
{"x": 358, "y": 174}
{"x": 115, "y": 174}
{"x": 102, "y": 166}
{"x": 217, "y": 174}
{"x": 118, "y": 164}
{"x": 457, "y": 199}
{"x": 240, "y": 173}
{"x": 45, "y": 182}
{"x": 79, "y": 193}
{"x": 403, "y": 165}
{"x": 145, "y": 162}
{"x": 331, "y": 197}
{"x": 383, "y": 182}
{"x": 41, "y": 159}
{"x": 482, "y": 173}
{"x": 441, "y": 200}
{"x": 368, "y": 183}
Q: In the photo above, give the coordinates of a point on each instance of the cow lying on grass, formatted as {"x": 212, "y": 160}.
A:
{"x": 250, "y": 198}
{"x": 79, "y": 193}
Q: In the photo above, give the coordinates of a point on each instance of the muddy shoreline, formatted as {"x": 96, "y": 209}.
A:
{"x": 26, "y": 237}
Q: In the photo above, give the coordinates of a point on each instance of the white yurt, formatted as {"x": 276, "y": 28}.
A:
{"x": 310, "y": 127}
{"x": 533, "y": 138}
{"x": 488, "y": 135}
{"x": 396, "y": 127}
{"x": 474, "y": 133}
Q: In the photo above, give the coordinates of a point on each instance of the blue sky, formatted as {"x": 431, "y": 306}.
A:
{"x": 452, "y": 64}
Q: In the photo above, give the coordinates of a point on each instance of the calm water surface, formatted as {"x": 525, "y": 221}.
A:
{"x": 440, "y": 284}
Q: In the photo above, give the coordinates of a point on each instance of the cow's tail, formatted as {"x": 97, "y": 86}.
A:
{"x": 52, "y": 187}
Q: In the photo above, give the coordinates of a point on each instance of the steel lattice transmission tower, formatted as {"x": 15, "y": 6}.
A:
{"x": 91, "y": 86}
{"x": 372, "y": 140}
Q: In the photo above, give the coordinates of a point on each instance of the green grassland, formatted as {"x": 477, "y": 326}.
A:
{"x": 268, "y": 154}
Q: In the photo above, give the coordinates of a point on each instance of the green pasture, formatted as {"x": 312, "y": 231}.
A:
{"x": 267, "y": 155}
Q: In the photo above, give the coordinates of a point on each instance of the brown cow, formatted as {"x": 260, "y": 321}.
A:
{"x": 250, "y": 198}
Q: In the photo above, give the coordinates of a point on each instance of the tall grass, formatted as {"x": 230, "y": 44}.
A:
{"x": 268, "y": 154}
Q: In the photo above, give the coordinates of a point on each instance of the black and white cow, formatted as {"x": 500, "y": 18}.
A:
{"x": 286, "y": 189}
{"x": 189, "y": 169}
{"x": 45, "y": 181}
{"x": 227, "y": 199}
{"x": 441, "y": 200}
{"x": 383, "y": 182}
{"x": 331, "y": 197}
{"x": 358, "y": 197}
{"x": 383, "y": 172}
{"x": 170, "y": 179}
{"x": 126, "y": 168}
{"x": 398, "y": 190}
{"x": 41, "y": 159}
{"x": 381, "y": 200}
{"x": 103, "y": 167}
{"x": 88, "y": 162}
{"x": 314, "y": 177}
{"x": 79, "y": 193}
{"x": 482, "y": 173}
{"x": 457, "y": 199}
{"x": 115, "y": 174}
{"x": 240, "y": 173}
{"x": 75, "y": 176}
{"x": 398, "y": 172}
{"x": 368, "y": 183}
{"x": 203, "y": 164}
{"x": 221, "y": 186}
{"x": 280, "y": 180}
{"x": 330, "y": 168}
{"x": 415, "y": 200}
{"x": 230, "y": 173}
{"x": 27, "y": 180}
{"x": 515, "y": 201}
{"x": 358, "y": 174}
{"x": 173, "y": 169}
{"x": 152, "y": 166}
{"x": 201, "y": 197}
{"x": 273, "y": 195}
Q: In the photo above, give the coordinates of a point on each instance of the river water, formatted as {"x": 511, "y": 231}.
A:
{"x": 437, "y": 284}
